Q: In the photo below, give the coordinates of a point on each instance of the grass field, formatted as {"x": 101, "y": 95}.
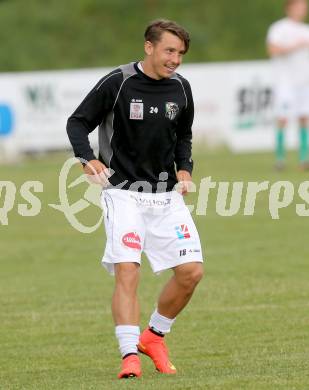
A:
{"x": 247, "y": 326}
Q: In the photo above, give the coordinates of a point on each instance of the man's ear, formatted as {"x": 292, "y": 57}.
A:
{"x": 148, "y": 46}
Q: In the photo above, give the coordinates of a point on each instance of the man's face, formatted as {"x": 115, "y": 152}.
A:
{"x": 165, "y": 55}
{"x": 298, "y": 10}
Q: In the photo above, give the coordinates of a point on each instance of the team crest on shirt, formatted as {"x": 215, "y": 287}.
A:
{"x": 171, "y": 110}
{"x": 136, "y": 109}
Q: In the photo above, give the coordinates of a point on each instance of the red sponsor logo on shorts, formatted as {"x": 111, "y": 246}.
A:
{"x": 132, "y": 240}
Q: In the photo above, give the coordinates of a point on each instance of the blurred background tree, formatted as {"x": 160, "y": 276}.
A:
{"x": 59, "y": 34}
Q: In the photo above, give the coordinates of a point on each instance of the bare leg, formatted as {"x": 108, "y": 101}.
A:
{"x": 179, "y": 289}
{"x": 282, "y": 123}
{"x": 125, "y": 305}
{"x": 303, "y": 121}
{"x": 173, "y": 298}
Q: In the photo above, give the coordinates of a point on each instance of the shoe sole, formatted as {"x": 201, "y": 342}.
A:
{"x": 128, "y": 376}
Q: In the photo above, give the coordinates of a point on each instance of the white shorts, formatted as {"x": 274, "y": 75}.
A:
{"x": 160, "y": 225}
{"x": 291, "y": 101}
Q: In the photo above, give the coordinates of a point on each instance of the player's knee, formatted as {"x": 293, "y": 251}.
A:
{"x": 127, "y": 275}
{"x": 191, "y": 276}
{"x": 303, "y": 121}
{"x": 197, "y": 274}
{"x": 282, "y": 123}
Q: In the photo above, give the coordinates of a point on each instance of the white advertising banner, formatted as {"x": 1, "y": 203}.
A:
{"x": 39, "y": 104}
{"x": 233, "y": 105}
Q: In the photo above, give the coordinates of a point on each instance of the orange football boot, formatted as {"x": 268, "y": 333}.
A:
{"x": 131, "y": 367}
{"x": 154, "y": 346}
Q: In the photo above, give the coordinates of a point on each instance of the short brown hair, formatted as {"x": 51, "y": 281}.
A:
{"x": 157, "y": 27}
{"x": 288, "y": 3}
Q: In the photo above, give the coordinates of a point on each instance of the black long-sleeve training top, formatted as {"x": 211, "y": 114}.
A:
{"x": 144, "y": 126}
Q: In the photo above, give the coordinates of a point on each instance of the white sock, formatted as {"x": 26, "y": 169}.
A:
{"x": 160, "y": 323}
{"x": 128, "y": 336}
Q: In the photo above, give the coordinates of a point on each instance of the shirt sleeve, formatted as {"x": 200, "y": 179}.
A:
{"x": 183, "y": 150}
{"x": 275, "y": 36}
{"x": 90, "y": 113}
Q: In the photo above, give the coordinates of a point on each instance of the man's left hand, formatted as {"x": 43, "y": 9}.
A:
{"x": 184, "y": 180}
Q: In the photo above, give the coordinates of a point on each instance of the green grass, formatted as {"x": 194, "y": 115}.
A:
{"x": 246, "y": 327}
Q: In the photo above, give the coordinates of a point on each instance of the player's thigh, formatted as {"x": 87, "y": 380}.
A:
{"x": 284, "y": 102}
{"x": 172, "y": 238}
{"x": 302, "y": 102}
{"x": 124, "y": 227}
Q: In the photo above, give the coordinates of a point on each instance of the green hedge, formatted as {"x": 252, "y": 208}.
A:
{"x": 58, "y": 34}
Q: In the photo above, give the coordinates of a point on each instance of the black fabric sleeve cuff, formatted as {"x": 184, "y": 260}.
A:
{"x": 185, "y": 166}
{"x": 86, "y": 158}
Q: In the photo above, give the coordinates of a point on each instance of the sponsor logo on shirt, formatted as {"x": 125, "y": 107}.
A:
{"x": 151, "y": 202}
{"x": 171, "y": 110}
{"x": 182, "y": 232}
{"x": 137, "y": 109}
{"x": 132, "y": 240}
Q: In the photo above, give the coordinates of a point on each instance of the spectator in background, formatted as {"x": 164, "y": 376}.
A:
{"x": 288, "y": 46}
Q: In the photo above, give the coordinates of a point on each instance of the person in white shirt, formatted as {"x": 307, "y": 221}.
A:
{"x": 288, "y": 46}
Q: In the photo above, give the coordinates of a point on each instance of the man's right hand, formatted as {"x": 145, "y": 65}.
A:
{"x": 97, "y": 172}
